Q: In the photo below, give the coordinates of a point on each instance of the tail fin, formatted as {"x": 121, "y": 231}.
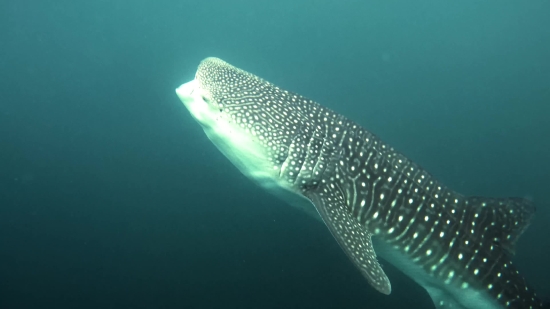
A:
{"x": 504, "y": 219}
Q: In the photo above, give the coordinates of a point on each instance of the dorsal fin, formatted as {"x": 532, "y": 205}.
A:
{"x": 505, "y": 219}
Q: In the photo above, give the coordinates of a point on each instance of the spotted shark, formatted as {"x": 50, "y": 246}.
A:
{"x": 457, "y": 247}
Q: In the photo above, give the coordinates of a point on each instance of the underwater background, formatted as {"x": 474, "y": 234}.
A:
{"x": 111, "y": 196}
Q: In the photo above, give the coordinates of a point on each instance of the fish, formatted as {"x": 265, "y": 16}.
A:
{"x": 374, "y": 200}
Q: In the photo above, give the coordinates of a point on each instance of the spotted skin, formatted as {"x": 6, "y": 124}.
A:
{"x": 457, "y": 247}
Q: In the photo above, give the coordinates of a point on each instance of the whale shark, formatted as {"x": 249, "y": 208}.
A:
{"x": 376, "y": 202}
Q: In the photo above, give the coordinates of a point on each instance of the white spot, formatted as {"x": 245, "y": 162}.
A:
{"x": 451, "y": 274}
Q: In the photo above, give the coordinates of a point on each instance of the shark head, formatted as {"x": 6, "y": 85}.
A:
{"x": 206, "y": 97}
{"x": 241, "y": 115}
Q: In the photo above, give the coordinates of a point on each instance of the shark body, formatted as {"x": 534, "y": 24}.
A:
{"x": 457, "y": 247}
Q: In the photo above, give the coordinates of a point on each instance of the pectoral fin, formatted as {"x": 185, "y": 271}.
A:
{"x": 354, "y": 239}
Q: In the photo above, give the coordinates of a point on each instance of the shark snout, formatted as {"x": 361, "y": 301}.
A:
{"x": 186, "y": 90}
{"x": 193, "y": 97}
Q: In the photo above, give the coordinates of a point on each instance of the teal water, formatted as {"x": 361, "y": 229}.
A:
{"x": 112, "y": 197}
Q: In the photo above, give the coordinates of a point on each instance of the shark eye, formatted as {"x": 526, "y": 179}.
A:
{"x": 209, "y": 102}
